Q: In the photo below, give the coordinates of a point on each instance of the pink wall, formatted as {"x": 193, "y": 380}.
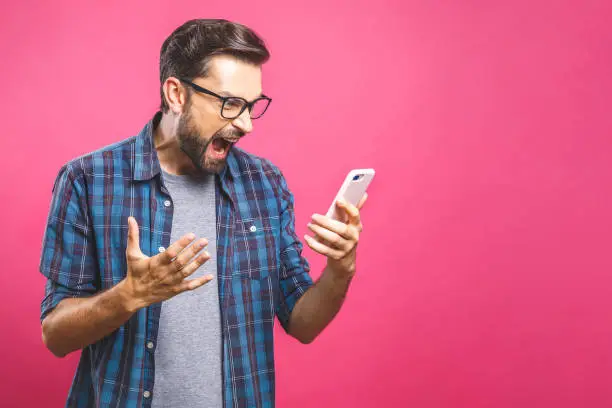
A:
{"x": 485, "y": 274}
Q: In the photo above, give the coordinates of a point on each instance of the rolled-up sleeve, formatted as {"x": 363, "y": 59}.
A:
{"x": 294, "y": 278}
{"x": 68, "y": 258}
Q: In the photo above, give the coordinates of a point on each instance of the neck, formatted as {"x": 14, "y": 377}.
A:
{"x": 171, "y": 158}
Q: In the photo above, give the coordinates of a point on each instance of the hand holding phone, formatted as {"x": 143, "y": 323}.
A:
{"x": 336, "y": 235}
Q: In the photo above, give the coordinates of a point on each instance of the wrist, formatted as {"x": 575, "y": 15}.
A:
{"x": 340, "y": 271}
{"x": 128, "y": 300}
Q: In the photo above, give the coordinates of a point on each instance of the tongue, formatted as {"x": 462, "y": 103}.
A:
{"x": 219, "y": 145}
{"x": 218, "y": 148}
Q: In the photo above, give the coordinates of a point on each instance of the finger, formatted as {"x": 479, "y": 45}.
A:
{"x": 328, "y": 237}
{"x": 344, "y": 230}
{"x": 350, "y": 210}
{"x": 185, "y": 256}
{"x": 173, "y": 250}
{"x": 133, "y": 240}
{"x": 193, "y": 266}
{"x": 362, "y": 201}
{"x": 322, "y": 249}
{"x": 195, "y": 283}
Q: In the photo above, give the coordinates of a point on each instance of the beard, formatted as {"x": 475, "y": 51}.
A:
{"x": 198, "y": 149}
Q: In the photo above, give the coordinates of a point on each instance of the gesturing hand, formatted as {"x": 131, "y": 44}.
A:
{"x": 153, "y": 279}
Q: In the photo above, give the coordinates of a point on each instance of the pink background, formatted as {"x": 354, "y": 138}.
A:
{"x": 485, "y": 274}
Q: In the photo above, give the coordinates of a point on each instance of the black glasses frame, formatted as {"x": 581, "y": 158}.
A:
{"x": 245, "y": 104}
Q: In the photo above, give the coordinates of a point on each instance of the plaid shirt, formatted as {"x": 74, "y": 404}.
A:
{"x": 261, "y": 272}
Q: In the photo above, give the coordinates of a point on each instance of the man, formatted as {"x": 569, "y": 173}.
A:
{"x": 137, "y": 231}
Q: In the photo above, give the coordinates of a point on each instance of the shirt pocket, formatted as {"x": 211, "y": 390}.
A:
{"x": 255, "y": 247}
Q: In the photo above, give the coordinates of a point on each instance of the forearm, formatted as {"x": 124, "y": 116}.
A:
{"x": 318, "y": 306}
{"x": 78, "y": 322}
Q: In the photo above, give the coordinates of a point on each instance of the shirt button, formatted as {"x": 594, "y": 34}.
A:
{"x": 146, "y": 394}
{"x": 253, "y": 228}
{"x": 150, "y": 345}
{"x": 161, "y": 249}
{"x": 167, "y": 203}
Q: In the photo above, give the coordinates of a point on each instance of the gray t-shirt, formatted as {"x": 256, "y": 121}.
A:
{"x": 188, "y": 351}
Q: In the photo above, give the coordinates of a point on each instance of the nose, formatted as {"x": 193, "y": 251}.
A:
{"x": 244, "y": 122}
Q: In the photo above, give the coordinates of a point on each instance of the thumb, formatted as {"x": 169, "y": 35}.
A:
{"x": 362, "y": 201}
{"x": 133, "y": 241}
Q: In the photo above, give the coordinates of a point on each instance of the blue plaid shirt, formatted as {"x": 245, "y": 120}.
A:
{"x": 261, "y": 273}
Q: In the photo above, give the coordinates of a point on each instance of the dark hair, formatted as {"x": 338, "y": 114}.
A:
{"x": 188, "y": 50}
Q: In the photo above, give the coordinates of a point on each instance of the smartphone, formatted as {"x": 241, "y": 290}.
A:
{"x": 352, "y": 190}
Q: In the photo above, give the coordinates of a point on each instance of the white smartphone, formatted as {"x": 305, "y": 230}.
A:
{"x": 352, "y": 190}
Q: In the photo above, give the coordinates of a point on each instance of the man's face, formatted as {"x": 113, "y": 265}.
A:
{"x": 203, "y": 134}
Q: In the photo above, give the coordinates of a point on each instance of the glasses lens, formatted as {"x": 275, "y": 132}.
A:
{"x": 232, "y": 108}
{"x": 259, "y": 108}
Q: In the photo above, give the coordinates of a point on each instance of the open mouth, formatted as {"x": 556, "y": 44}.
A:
{"x": 219, "y": 147}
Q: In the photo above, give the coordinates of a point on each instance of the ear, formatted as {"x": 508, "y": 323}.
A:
{"x": 175, "y": 94}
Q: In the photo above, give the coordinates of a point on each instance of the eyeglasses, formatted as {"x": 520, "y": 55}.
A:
{"x": 233, "y": 106}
